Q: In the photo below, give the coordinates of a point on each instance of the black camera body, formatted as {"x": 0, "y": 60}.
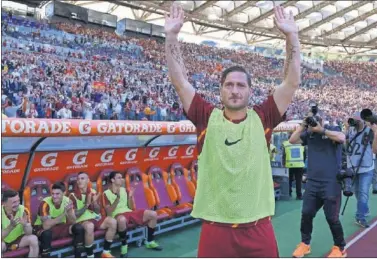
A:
{"x": 311, "y": 121}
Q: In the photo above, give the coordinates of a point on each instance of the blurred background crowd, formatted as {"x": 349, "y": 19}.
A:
{"x": 67, "y": 70}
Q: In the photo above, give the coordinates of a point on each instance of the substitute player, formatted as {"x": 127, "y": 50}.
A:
{"x": 234, "y": 196}
{"x": 16, "y": 229}
{"x": 56, "y": 219}
{"x": 115, "y": 203}
{"x": 87, "y": 210}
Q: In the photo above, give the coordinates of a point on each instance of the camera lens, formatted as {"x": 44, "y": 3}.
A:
{"x": 351, "y": 122}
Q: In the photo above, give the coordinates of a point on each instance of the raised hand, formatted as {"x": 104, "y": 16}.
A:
{"x": 284, "y": 22}
{"x": 14, "y": 221}
{"x": 95, "y": 197}
{"x": 68, "y": 207}
{"x": 89, "y": 199}
{"x": 174, "y": 21}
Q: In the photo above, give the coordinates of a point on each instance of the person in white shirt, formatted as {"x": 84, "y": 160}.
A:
{"x": 65, "y": 112}
{"x": 31, "y": 112}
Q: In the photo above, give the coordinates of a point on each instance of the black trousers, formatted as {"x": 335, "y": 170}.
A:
{"x": 317, "y": 195}
{"x": 296, "y": 174}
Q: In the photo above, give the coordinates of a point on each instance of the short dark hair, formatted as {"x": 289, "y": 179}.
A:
{"x": 112, "y": 175}
{"x": 225, "y": 73}
{"x": 82, "y": 173}
{"x": 58, "y": 186}
{"x": 8, "y": 194}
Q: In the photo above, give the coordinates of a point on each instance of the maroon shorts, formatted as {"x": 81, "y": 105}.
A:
{"x": 58, "y": 231}
{"x": 14, "y": 245}
{"x": 256, "y": 239}
{"x": 97, "y": 223}
{"x": 134, "y": 217}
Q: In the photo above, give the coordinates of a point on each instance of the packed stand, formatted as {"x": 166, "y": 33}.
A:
{"x": 65, "y": 70}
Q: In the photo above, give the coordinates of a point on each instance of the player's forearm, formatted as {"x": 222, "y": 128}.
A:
{"x": 374, "y": 145}
{"x": 71, "y": 217}
{"x": 81, "y": 211}
{"x": 337, "y": 136}
{"x": 110, "y": 209}
{"x": 295, "y": 138}
{"x": 292, "y": 64}
{"x": 49, "y": 223}
{"x": 28, "y": 229}
{"x": 176, "y": 66}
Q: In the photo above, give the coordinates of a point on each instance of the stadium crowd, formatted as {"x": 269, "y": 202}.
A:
{"x": 65, "y": 70}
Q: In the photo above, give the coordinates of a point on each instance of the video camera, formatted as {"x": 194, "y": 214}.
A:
{"x": 367, "y": 115}
{"x": 311, "y": 120}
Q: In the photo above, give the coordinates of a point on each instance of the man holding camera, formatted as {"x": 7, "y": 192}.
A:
{"x": 360, "y": 163}
{"x": 322, "y": 188}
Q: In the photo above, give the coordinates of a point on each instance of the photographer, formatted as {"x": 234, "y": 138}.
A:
{"x": 360, "y": 163}
{"x": 322, "y": 188}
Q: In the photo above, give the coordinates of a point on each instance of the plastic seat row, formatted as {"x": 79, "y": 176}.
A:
{"x": 170, "y": 194}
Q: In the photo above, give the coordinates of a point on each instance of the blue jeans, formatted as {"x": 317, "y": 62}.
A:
{"x": 362, "y": 185}
{"x": 375, "y": 176}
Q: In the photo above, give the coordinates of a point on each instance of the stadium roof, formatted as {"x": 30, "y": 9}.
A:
{"x": 349, "y": 26}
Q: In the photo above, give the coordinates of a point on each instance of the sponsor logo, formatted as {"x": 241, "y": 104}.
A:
{"x": 10, "y": 127}
{"x": 231, "y": 143}
{"x": 189, "y": 152}
{"x": 49, "y": 160}
{"x": 80, "y": 158}
{"x": 30, "y": 127}
{"x": 153, "y": 154}
{"x": 85, "y": 128}
{"x": 106, "y": 158}
{"x": 130, "y": 157}
{"x": 40, "y": 182}
{"x": 172, "y": 153}
{"x": 9, "y": 162}
{"x": 131, "y": 154}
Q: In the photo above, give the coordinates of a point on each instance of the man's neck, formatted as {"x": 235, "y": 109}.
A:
{"x": 57, "y": 205}
{"x": 83, "y": 190}
{"x": 235, "y": 115}
{"x": 8, "y": 211}
{"x": 115, "y": 189}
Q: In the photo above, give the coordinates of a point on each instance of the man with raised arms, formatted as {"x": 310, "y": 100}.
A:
{"x": 56, "y": 219}
{"x": 16, "y": 229}
{"x": 115, "y": 201}
{"x": 234, "y": 195}
{"x": 88, "y": 213}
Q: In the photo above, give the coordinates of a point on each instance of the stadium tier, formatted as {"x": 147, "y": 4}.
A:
{"x": 68, "y": 70}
